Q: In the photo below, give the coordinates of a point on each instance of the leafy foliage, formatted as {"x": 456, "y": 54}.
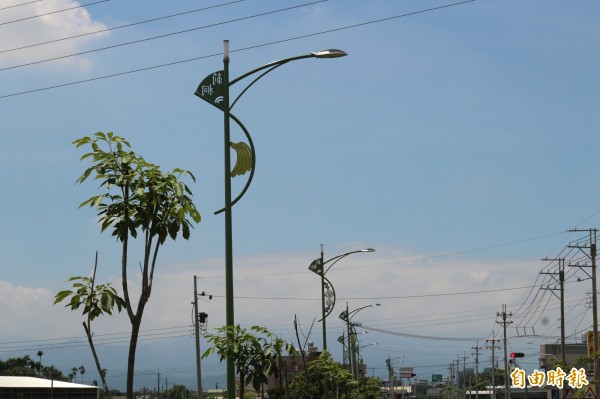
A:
{"x": 339, "y": 379}
{"x": 27, "y": 367}
{"x": 95, "y": 300}
{"x": 254, "y": 353}
{"x": 158, "y": 203}
{"x": 138, "y": 197}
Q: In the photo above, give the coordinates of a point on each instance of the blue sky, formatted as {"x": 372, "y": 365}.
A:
{"x": 459, "y": 142}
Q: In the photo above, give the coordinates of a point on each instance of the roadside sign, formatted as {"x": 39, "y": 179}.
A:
{"x": 589, "y": 394}
{"x": 569, "y": 394}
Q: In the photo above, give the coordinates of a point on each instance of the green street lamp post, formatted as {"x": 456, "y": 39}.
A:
{"x": 214, "y": 89}
{"x": 347, "y": 316}
{"x": 318, "y": 266}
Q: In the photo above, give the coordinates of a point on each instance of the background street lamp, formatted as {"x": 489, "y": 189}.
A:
{"x": 359, "y": 349}
{"x": 391, "y": 374}
{"x": 347, "y": 317}
{"x": 214, "y": 89}
{"x": 318, "y": 266}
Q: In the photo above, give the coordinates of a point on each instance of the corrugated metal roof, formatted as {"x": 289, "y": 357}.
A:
{"x": 32, "y": 382}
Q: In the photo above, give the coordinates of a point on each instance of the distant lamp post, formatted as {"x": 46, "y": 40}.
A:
{"x": 359, "y": 349}
{"x": 214, "y": 89}
{"x": 347, "y": 316}
{"x": 318, "y": 266}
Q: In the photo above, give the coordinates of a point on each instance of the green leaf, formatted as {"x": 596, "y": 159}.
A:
{"x": 62, "y": 295}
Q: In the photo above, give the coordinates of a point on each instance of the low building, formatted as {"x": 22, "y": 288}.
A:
{"x": 38, "y": 388}
{"x": 551, "y": 353}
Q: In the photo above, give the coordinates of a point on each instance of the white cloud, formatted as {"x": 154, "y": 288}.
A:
{"x": 47, "y": 26}
{"x": 420, "y": 295}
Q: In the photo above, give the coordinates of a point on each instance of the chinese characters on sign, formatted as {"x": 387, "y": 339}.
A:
{"x": 212, "y": 89}
{"x": 576, "y": 378}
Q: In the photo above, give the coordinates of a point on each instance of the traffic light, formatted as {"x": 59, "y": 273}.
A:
{"x": 411, "y": 375}
{"x": 517, "y": 354}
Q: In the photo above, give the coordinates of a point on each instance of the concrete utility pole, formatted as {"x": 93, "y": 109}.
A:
{"x": 592, "y": 256}
{"x": 561, "y": 282}
{"x": 493, "y": 341}
{"x": 504, "y": 322}
{"x": 451, "y": 382}
{"x": 464, "y": 376}
{"x": 199, "y": 319}
{"x": 476, "y": 368}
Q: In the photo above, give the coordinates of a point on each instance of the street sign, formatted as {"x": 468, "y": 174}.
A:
{"x": 569, "y": 394}
{"x": 589, "y": 394}
{"x": 436, "y": 378}
{"x": 212, "y": 89}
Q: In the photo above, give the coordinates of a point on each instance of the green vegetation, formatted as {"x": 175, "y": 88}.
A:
{"x": 140, "y": 199}
{"x": 27, "y": 367}
{"x": 309, "y": 383}
{"x": 255, "y": 353}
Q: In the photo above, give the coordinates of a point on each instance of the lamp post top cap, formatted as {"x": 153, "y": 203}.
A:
{"x": 329, "y": 53}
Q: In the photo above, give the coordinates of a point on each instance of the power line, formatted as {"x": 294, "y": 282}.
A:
{"x": 19, "y": 5}
{"x": 120, "y": 26}
{"x": 383, "y": 297}
{"x": 160, "y": 36}
{"x": 52, "y": 12}
{"x": 237, "y": 50}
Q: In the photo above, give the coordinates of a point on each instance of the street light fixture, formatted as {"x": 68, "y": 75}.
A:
{"x": 347, "y": 317}
{"x": 214, "y": 89}
{"x": 318, "y": 266}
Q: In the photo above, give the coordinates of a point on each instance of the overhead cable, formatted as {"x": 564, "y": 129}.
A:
{"x": 52, "y": 12}
{"x": 231, "y": 51}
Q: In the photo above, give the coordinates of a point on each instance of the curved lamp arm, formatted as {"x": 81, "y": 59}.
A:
{"x": 347, "y": 316}
{"x": 336, "y": 259}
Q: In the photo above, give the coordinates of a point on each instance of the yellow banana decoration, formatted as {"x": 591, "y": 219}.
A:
{"x": 243, "y": 161}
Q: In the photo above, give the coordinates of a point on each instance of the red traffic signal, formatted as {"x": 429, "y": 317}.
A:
{"x": 411, "y": 375}
{"x": 517, "y": 354}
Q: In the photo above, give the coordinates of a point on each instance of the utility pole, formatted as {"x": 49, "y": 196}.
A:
{"x": 199, "y": 322}
{"x": 451, "y": 382}
{"x": 504, "y": 322}
{"x": 592, "y": 256}
{"x": 464, "y": 376}
{"x": 476, "y": 369}
{"x": 493, "y": 341}
{"x": 561, "y": 282}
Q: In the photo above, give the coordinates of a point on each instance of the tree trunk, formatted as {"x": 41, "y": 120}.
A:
{"x": 135, "y": 329}
{"x": 242, "y": 385}
{"x": 93, "y": 348}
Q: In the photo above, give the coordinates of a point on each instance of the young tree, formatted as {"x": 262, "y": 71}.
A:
{"x": 340, "y": 381}
{"x": 254, "y": 353}
{"x": 96, "y": 300}
{"x": 138, "y": 198}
